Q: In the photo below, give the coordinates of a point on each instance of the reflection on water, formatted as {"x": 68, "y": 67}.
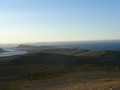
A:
{"x": 12, "y": 53}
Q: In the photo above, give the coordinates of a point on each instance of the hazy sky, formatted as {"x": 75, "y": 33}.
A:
{"x": 58, "y": 20}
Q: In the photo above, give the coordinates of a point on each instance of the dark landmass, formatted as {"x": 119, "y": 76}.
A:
{"x": 26, "y": 47}
{"x": 61, "y": 69}
{"x": 64, "y": 51}
{"x": 30, "y": 47}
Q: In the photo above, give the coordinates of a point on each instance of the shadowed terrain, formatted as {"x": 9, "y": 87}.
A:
{"x": 87, "y": 70}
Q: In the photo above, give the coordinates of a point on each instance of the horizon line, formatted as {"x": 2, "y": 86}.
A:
{"x": 58, "y": 41}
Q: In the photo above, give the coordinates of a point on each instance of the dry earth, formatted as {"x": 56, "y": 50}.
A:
{"x": 91, "y": 80}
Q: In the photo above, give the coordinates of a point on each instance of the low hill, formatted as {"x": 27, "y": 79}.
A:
{"x": 78, "y": 52}
{"x": 101, "y": 53}
{"x": 25, "y": 47}
{"x": 95, "y": 57}
{"x": 64, "y": 51}
{"x": 35, "y": 48}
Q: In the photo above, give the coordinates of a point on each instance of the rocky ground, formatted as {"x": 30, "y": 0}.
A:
{"x": 79, "y": 81}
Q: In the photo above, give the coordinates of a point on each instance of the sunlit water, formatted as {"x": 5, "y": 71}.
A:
{"x": 12, "y": 53}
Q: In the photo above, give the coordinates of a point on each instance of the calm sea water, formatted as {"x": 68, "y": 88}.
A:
{"x": 12, "y": 53}
{"x": 91, "y": 45}
{"x": 98, "y": 45}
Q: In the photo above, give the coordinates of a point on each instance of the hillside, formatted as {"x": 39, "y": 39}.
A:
{"x": 64, "y": 51}
{"x": 101, "y": 53}
{"x": 35, "y": 48}
{"x": 37, "y": 70}
{"x": 95, "y": 57}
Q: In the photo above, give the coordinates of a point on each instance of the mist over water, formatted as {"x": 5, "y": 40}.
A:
{"x": 12, "y": 53}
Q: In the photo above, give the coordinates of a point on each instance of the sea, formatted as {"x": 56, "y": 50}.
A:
{"x": 90, "y": 45}
{"x": 12, "y": 52}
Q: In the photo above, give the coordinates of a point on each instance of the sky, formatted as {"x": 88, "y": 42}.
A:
{"x": 26, "y": 21}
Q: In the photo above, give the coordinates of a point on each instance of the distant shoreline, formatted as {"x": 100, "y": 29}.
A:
{"x": 12, "y": 53}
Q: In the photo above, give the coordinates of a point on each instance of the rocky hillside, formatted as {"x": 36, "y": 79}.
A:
{"x": 101, "y": 53}
{"x": 64, "y": 51}
{"x": 36, "y": 71}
